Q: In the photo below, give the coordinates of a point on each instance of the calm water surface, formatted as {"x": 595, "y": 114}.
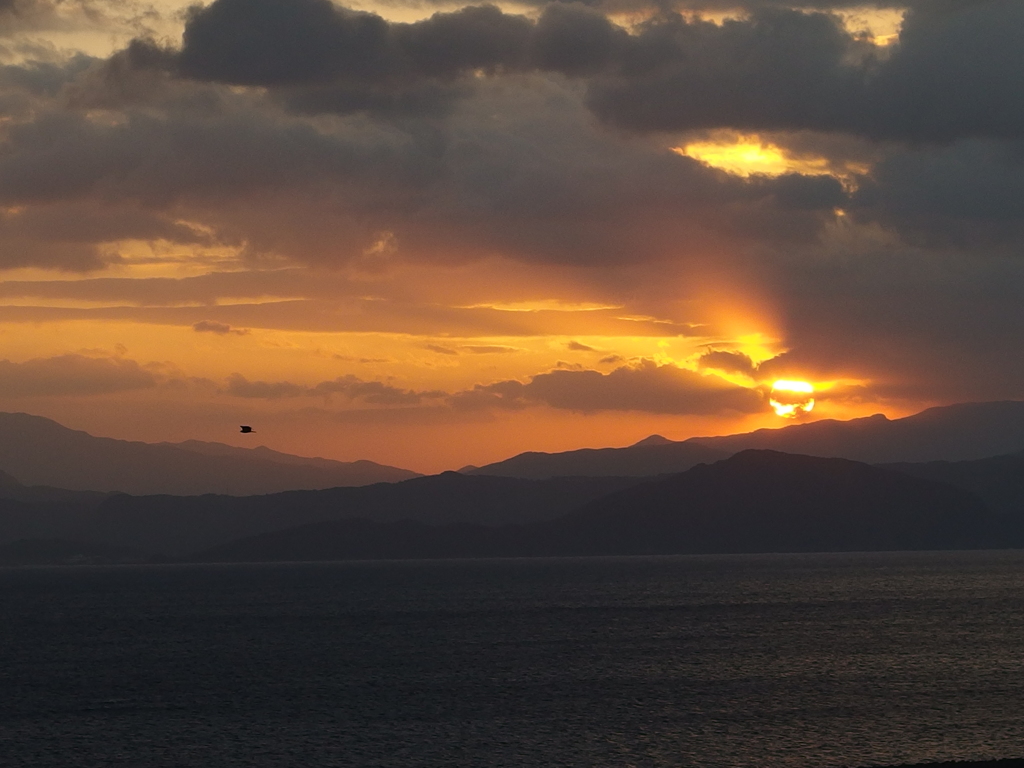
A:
{"x": 820, "y": 660}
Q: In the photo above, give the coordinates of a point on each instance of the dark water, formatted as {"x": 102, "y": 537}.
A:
{"x": 824, "y": 660}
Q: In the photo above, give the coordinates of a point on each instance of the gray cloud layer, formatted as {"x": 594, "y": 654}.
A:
{"x": 478, "y": 133}
{"x": 72, "y": 375}
{"x": 646, "y": 387}
{"x": 957, "y": 71}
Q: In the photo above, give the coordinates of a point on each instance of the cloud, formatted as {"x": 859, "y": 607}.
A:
{"x": 81, "y": 235}
{"x": 277, "y": 42}
{"x": 729, "y": 362}
{"x": 968, "y": 195}
{"x": 489, "y": 349}
{"x": 646, "y": 387}
{"x": 956, "y": 72}
{"x": 72, "y": 376}
{"x": 441, "y": 350}
{"x": 499, "y": 178}
{"x": 576, "y": 346}
{"x": 777, "y": 68}
{"x": 239, "y": 386}
{"x": 536, "y": 145}
{"x": 352, "y": 387}
{"x": 208, "y": 326}
{"x": 375, "y": 392}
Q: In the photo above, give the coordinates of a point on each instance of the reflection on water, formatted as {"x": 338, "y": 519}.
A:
{"x": 820, "y": 660}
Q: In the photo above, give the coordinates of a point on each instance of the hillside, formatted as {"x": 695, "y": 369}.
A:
{"x": 950, "y": 433}
{"x": 998, "y": 481}
{"x": 757, "y": 501}
{"x": 961, "y": 432}
{"x": 41, "y": 452}
{"x": 177, "y": 525}
{"x": 646, "y": 458}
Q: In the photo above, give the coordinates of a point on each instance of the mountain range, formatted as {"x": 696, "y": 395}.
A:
{"x": 755, "y": 501}
{"x": 949, "y": 433}
{"x": 38, "y": 451}
{"x": 633, "y": 500}
{"x": 176, "y": 526}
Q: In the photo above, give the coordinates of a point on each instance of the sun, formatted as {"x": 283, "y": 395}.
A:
{"x": 790, "y": 399}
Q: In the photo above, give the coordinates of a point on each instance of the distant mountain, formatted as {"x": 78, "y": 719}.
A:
{"x": 38, "y": 451}
{"x": 178, "y": 525}
{"x": 756, "y": 501}
{"x": 654, "y": 440}
{"x": 361, "y": 472}
{"x": 31, "y": 512}
{"x": 950, "y": 433}
{"x": 646, "y": 458}
{"x": 766, "y": 501}
{"x": 63, "y": 552}
{"x": 998, "y": 481}
{"x": 11, "y": 489}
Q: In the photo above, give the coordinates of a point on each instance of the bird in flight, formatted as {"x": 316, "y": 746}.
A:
{"x": 246, "y": 429}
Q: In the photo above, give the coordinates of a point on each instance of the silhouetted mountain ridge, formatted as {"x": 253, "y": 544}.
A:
{"x": 961, "y": 432}
{"x": 41, "y": 452}
{"x": 756, "y": 501}
{"x": 966, "y": 431}
{"x": 998, "y": 480}
{"x": 641, "y": 460}
{"x": 178, "y": 525}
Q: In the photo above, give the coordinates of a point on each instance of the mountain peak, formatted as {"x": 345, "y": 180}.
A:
{"x": 41, "y": 452}
{"x": 654, "y": 440}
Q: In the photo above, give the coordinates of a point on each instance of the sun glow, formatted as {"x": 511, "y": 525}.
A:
{"x": 790, "y": 399}
{"x": 750, "y": 155}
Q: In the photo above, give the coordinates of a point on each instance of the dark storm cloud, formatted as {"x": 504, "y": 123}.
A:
{"x": 69, "y": 236}
{"x": 575, "y": 40}
{"x": 718, "y": 6}
{"x": 72, "y": 375}
{"x": 969, "y": 195}
{"x": 301, "y": 42}
{"x": 298, "y": 42}
{"x": 473, "y": 38}
{"x": 914, "y": 322}
{"x": 320, "y": 57}
{"x": 644, "y": 387}
{"x": 774, "y": 70}
{"x": 63, "y": 155}
{"x": 956, "y": 71}
{"x": 281, "y": 42}
{"x": 518, "y": 152}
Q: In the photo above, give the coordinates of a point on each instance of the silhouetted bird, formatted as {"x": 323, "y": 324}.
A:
{"x": 246, "y": 429}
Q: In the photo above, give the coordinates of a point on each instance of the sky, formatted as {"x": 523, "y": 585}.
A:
{"x": 431, "y": 234}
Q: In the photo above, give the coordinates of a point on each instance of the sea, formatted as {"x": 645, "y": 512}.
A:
{"x": 836, "y": 660}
